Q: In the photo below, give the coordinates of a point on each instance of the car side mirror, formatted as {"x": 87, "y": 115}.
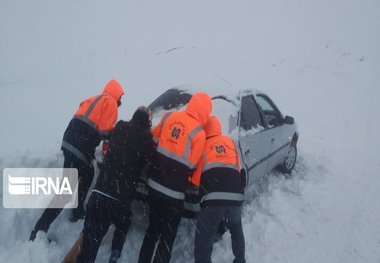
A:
{"x": 288, "y": 120}
{"x": 272, "y": 120}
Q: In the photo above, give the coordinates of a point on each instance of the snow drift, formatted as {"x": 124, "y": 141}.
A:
{"x": 318, "y": 60}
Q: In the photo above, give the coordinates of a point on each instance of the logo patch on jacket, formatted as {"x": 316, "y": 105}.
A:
{"x": 176, "y": 132}
{"x": 220, "y": 149}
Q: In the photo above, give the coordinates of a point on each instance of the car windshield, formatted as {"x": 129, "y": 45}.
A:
{"x": 176, "y": 100}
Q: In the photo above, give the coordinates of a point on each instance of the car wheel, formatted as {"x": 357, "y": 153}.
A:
{"x": 290, "y": 160}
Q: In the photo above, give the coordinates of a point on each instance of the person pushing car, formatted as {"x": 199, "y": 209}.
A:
{"x": 221, "y": 194}
{"x": 180, "y": 140}
{"x": 131, "y": 147}
{"x": 91, "y": 123}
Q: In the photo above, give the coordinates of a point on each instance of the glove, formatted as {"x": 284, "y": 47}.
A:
{"x": 105, "y": 147}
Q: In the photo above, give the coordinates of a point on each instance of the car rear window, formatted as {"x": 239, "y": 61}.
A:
{"x": 176, "y": 100}
{"x": 170, "y": 99}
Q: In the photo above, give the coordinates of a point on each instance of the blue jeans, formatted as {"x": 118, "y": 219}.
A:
{"x": 208, "y": 222}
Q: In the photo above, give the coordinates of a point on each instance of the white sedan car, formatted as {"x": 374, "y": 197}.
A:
{"x": 266, "y": 138}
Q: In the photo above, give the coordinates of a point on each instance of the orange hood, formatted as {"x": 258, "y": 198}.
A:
{"x": 114, "y": 89}
{"x": 200, "y": 107}
{"x": 213, "y": 127}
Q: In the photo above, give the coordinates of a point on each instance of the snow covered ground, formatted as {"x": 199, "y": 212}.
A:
{"x": 319, "y": 60}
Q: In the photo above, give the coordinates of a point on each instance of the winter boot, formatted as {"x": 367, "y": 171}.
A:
{"x": 115, "y": 255}
{"x": 33, "y": 235}
{"x": 77, "y": 214}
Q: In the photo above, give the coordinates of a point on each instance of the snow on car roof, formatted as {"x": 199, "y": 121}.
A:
{"x": 213, "y": 90}
{"x": 230, "y": 92}
{"x": 225, "y": 103}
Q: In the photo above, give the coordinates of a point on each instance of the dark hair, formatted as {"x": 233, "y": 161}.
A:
{"x": 141, "y": 118}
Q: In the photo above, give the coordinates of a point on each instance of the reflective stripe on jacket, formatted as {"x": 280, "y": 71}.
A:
{"x": 218, "y": 172}
{"x": 100, "y": 111}
{"x": 180, "y": 141}
{"x": 178, "y": 134}
{"x": 93, "y": 120}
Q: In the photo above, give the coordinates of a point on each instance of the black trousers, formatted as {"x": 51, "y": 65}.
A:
{"x": 102, "y": 211}
{"x": 164, "y": 218}
{"x": 85, "y": 177}
{"x": 208, "y": 222}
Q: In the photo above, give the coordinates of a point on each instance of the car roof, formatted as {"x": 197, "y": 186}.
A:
{"x": 230, "y": 92}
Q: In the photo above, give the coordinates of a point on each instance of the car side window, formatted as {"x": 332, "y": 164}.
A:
{"x": 272, "y": 115}
{"x": 249, "y": 114}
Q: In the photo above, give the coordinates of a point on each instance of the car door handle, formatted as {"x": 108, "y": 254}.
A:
{"x": 272, "y": 140}
{"x": 247, "y": 152}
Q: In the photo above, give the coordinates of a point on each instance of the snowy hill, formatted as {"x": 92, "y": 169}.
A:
{"x": 319, "y": 60}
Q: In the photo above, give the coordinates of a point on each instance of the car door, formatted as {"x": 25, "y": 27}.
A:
{"x": 276, "y": 130}
{"x": 253, "y": 139}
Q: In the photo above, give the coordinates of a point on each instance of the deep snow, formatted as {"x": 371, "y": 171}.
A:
{"x": 318, "y": 60}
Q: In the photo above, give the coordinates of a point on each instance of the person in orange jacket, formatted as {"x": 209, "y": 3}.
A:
{"x": 91, "y": 123}
{"x": 180, "y": 140}
{"x": 221, "y": 193}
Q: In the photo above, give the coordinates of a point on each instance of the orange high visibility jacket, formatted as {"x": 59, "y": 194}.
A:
{"x": 180, "y": 140}
{"x": 101, "y": 111}
{"x": 218, "y": 172}
{"x": 93, "y": 120}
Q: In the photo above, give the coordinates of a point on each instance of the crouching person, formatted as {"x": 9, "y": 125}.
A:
{"x": 221, "y": 194}
{"x": 130, "y": 147}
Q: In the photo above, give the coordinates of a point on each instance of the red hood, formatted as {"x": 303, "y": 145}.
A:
{"x": 213, "y": 127}
{"x": 114, "y": 89}
{"x": 200, "y": 107}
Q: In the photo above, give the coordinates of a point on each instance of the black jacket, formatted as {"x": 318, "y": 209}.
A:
{"x": 83, "y": 137}
{"x": 131, "y": 147}
{"x": 221, "y": 180}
